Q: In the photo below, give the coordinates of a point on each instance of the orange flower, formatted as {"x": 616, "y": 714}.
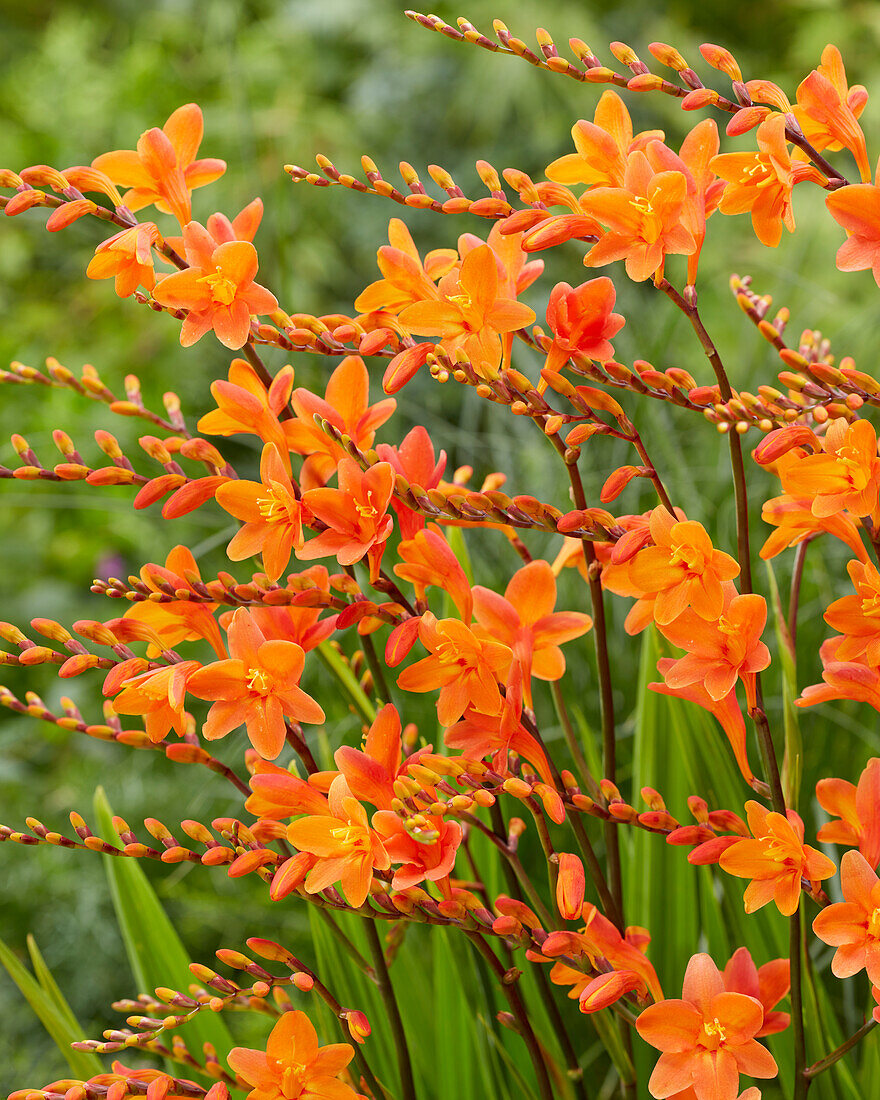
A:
{"x": 256, "y": 687}
{"x": 762, "y": 182}
{"x": 857, "y": 807}
{"x": 356, "y": 515}
{"x": 776, "y": 860}
{"x": 425, "y": 846}
{"x": 370, "y": 772}
{"x": 273, "y": 515}
{"x": 514, "y": 274}
{"x": 853, "y": 925}
{"x": 462, "y": 665}
{"x": 581, "y": 321}
{"x": 427, "y": 559}
{"x": 469, "y": 313}
{"x": 245, "y": 405}
{"x": 346, "y": 847}
{"x": 682, "y": 568}
{"x": 294, "y": 1066}
{"x": 827, "y": 110}
{"x": 299, "y": 622}
{"x": 794, "y": 521}
{"x": 719, "y": 652}
{"x": 857, "y": 209}
{"x": 643, "y": 218}
{"x": 768, "y": 984}
{"x": 217, "y": 288}
{"x": 415, "y": 460}
{"x": 858, "y": 617}
{"x": 478, "y": 735}
{"x": 406, "y": 279}
{"x": 707, "y": 1038}
{"x": 726, "y": 710}
{"x": 346, "y": 405}
{"x": 164, "y": 170}
{"x": 129, "y": 257}
{"x": 843, "y": 680}
{"x": 178, "y": 620}
{"x": 524, "y": 619}
{"x": 846, "y": 475}
{"x": 159, "y": 695}
{"x": 603, "y": 146}
{"x": 243, "y": 226}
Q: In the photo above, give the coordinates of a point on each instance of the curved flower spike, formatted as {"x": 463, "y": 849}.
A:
{"x": 163, "y": 170}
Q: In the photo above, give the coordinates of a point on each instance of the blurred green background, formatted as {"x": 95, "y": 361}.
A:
{"x": 279, "y": 82}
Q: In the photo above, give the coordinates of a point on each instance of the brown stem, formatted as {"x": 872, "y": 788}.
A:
{"x": 797, "y": 576}
{"x": 298, "y": 744}
{"x": 655, "y": 477}
{"x": 518, "y": 1009}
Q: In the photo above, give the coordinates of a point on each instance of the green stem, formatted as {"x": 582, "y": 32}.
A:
{"x": 379, "y": 684}
{"x": 348, "y": 680}
{"x": 349, "y": 947}
{"x": 795, "y": 951}
{"x": 845, "y": 1047}
{"x": 574, "y": 1071}
{"x": 386, "y": 991}
{"x": 571, "y": 740}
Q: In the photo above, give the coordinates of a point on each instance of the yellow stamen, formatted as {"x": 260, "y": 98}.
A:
{"x": 222, "y": 288}
{"x": 258, "y": 680}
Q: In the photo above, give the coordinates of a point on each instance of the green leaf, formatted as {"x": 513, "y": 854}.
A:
{"x": 792, "y": 760}
{"x": 55, "y": 1014}
{"x": 154, "y": 949}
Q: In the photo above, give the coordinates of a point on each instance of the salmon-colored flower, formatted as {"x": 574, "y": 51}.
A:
{"x": 406, "y": 279}
{"x": 255, "y": 687}
{"x": 858, "y": 617}
{"x": 478, "y": 735}
{"x": 707, "y": 1038}
{"x": 643, "y": 218}
{"x": 726, "y": 710}
{"x": 371, "y": 772}
{"x": 272, "y": 514}
{"x": 857, "y": 806}
{"x": 127, "y": 257}
{"x": 776, "y": 859}
{"x": 857, "y": 209}
{"x": 581, "y": 321}
{"x": 345, "y": 405}
{"x": 294, "y": 1067}
{"x": 762, "y": 182}
{"x": 347, "y": 848}
{"x": 244, "y": 405}
{"x": 602, "y": 145}
{"x": 243, "y": 227}
{"x": 163, "y": 170}
{"x": 298, "y": 622}
{"x": 683, "y": 568}
{"x": 159, "y": 695}
{"x": 853, "y": 925}
{"x": 425, "y": 846}
{"x": 179, "y": 620}
{"x": 827, "y": 110}
{"x": 524, "y": 619}
{"x": 465, "y": 667}
{"x": 768, "y": 984}
{"x": 356, "y": 514}
{"x": 415, "y": 460}
{"x": 470, "y": 313}
{"x": 515, "y": 274}
{"x": 720, "y": 652}
{"x": 795, "y": 523}
{"x": 846, "y": 475}
{"x": 427, "y": 559}
{"x": 843, "y": 679}
{"x": 217, "y": 289}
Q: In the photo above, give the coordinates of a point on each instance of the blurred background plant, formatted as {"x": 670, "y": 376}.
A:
{"x": 278, "y": 82}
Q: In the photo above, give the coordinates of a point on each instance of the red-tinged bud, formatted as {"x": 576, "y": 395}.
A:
{"x": 564, "y": 943}
{"x": 400, "y": 641}
{"x": 783, "y": 440}
{"x": 508, "y": 1020}
{"x": 645, "y": 82}
{"x": 746, "y": 119}
{"x": 70, "y": 212}
{"x": 728, "y": 821}
{"x": 570, "y": 886}
{"x": 653, "y": 798}
{"x": 184, "y": 753}
{"x": 608, "y": 988}
{"x": 511, "y": 907}
{"x": 71, "y": 471}
{"x": 157, "y": 488}
{"x": 77, "y": 664}
{"x": 484, "y": 798}
{"x": 52, "y": 630}
{"x": 217, "y": 1091}
{"x": 217, "y": 856}
{"x": 618, "y": 481}
{"x": 690, "y": 834}
{"x": 698, "y": 99}
{"x": 552, "y": 802}
{"x": 508, "y": 926}
{"x": 404, "y": 366}
{"x": 358, "y": 1024}
{"x": 490, "y": 208}
{"x": 112, "y": 475}
{"x": 375, "y": 341}
{"x": 305, "y": 983}
{"x": 191, "y": 496}
{"x": 703, "y": 395}
{"x": 556, "y": 230}
{"x": 24, "y": 200}
{"x": 609, "y": 790}
{"x": 517, "y": 788}
{"x": 290, "y": 875}
{"x": 658, "y": 819}
{"x": 699, "y": 808}
{"x": 721, "y": 59}
{"x": 710, "y": 851}
{"x": 522, "y": 221}
{"x": 622, "y": 811}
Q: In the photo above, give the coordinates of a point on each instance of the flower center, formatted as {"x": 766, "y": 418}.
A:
{"x": 448, "y": 653}
{"x": 221, "y": 286}
{"x": 292, "y": 1080}
{"x": 690, "y": 557}
{"x": 874, "y": 924}
{"x": 258, "y": 680}
{"x": 854, "y": 467}
{"x": 713, "y": 1034}
{"x": 274, "y": 507}
{"x": 368, "y": 510}
{"x": 462, "y": 300}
